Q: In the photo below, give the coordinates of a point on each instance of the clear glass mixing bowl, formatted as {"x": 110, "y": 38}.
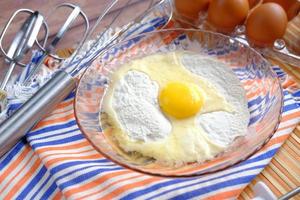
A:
{"x": 260, "y": 82}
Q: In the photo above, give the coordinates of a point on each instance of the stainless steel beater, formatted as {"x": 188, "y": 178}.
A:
{"x": 21, "y": 44}
{"x": 26, "y": 37}
{"x": 49, "y": 50}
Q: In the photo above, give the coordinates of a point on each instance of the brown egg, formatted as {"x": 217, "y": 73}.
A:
{"x": 294, "y": 10}
{"x": 225, "y": 15}
{"x": 253, "y": 3}
{"x": 266, "y": 23}
{"x": 191, "y": 8}
{"x": 288, "y": 5}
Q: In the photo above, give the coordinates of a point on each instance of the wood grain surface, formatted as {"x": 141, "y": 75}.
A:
{"x": 281, "y": 175}
{"x": 56, "y": 18}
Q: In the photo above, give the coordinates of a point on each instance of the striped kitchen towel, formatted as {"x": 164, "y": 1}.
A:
{"x": 55, "y": 161}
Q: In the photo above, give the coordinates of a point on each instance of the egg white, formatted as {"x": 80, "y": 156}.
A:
{"x": 185, "y": 140}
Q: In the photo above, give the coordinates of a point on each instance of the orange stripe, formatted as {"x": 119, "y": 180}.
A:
{"x": 58, "y": 196}
{"x": 53, "y": 121}
{"x": 290, "y": 116}
{"x": 225, "y": 195}
{"x": 95, "y": 182}
{"x": 108, "y": 186}
{"x": 9, "y": 182}
{"x": 20, "y": 170}
{"x": 64, "y": 104}
{"x": 61, "y": 108}
{"x": 288, "y": 83}
{"x": 113, "y": 194}
{"x": 57, "y": 112}
{"x": 23, "y": 180}
{"x": 15, "y": 163}
{"x": 286, "y": 127}
{"x": 69, "y": 153}
{"x": 274, "y": 141}
{"x": 56, "y": 160}
{"x": 63, "y": 147}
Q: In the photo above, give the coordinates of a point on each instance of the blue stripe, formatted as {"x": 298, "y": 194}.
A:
{"x": 41, "y": 188}
{"x": 290, "y": 107}
{"x": 52, "y": 135}
{"x": 84, "y": 168}
{"x": 286, "y": 108}
{"x": 85, "y": 177}
{"x": 32, "y": 183}
{"x": 12, "y": 153}
{"x": 228, "y": 183}
{"x": 49, "y": 191}
{"x": 296, "y": 94}
{"x": 14, "y": 106}
{"x": 175, "y": 181}
{"x": 71, "y": 164}
{"x": 53, "y": 128}
{"x": 62, "y": 141}
{"x": 70, "y": 96}
{"x": 267, "y": 155}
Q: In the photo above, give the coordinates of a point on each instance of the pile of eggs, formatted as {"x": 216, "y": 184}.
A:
{"x": 265, "y": 20}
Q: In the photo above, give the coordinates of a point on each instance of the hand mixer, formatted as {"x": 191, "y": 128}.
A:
{"x": 27, "y": 36}
{"x": 22, "y": 42}
{"x": 62, "y": 83}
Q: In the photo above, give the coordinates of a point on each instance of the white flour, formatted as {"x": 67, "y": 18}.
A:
{"x": 135, "y": 102}
{"x": 221, "y": 127}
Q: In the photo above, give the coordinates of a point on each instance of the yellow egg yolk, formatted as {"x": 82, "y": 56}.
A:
{"x": 181, "y": 100}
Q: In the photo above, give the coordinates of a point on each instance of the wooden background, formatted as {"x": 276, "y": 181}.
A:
{"x": 283, "y": 173}
{"x": 55, "y": 19}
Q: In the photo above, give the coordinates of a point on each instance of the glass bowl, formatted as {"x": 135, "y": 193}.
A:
{"x": 260, "y": 82}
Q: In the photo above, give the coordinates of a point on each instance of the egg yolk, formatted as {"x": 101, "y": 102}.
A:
{"x": 181, "y": 100}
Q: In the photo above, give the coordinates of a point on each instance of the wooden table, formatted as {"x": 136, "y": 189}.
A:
{"x": 281, "y": 175}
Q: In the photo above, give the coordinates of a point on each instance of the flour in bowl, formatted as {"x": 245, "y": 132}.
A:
{"x": 222, "y": 127}
{"x": 210, "y": 104}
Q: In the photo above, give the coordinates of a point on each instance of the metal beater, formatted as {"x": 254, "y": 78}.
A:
{"x": 26, "y": 37}
{"x": 62, "y": 83}
{"x": 21, "y": 44}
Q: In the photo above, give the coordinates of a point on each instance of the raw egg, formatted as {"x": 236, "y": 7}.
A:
{"x": 181, "y": 100}
{"x": 226, "y": 14}
{"x": 266, "y": 23}
{"x": 191, "y": 8}
{"x": 157, "y": 106}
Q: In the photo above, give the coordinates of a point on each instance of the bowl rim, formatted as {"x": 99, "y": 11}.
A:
{"x": 195, "y": 174}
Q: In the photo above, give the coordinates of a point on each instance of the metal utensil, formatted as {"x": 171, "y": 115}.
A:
{"x": 54, "y": 91}
{"x": 290, "y": 194}
{"x": 22, "y": 42}
{"x": 49, "y": 50}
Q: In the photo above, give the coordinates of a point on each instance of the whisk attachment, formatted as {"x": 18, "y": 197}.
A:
{"x": 162, "y": 6}
{"x": 49, "y": 50}
{"x": 21, "y": 44}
